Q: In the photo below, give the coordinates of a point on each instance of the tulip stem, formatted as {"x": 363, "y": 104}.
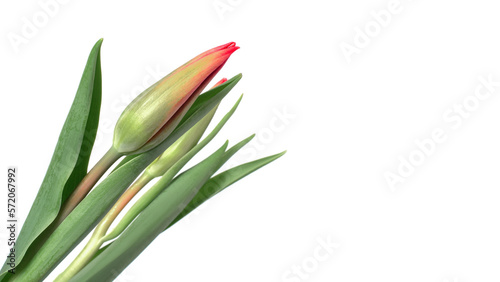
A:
{"x": 87, "y": 183}
{"x": 97, "y": 238}
{"x": 74, "y": 199}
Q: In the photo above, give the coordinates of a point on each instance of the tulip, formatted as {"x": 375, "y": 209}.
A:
{"x": 156, "y": 169}
{"x": 153, "y": 115}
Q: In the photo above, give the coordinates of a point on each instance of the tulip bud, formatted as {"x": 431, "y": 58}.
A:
{"x": 155, "y": 113}
{"x": 182, "y": 145}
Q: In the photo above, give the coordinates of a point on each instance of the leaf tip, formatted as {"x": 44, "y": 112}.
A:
{"x": 239, "y": 100}
{"x": 98, "y": 43}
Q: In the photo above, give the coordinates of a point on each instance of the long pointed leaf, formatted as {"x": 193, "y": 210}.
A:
{"x": 71, "y": 156}
{"x": 151, "y": 222}
{"x": 223, "y": 180}
{"x": 212, "y": 187}
{"x": 220, "y": 182}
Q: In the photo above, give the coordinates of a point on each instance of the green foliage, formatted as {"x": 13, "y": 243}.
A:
{"x": 71, "y": 156}
{"x": 42, "y": 246}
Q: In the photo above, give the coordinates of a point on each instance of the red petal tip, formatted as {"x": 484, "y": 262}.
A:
{"x": 231, "y": 50}
{"x": 220, "y": 82}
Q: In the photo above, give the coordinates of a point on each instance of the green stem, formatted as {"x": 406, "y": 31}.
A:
{"x": 74, "y": 199}
{"x": 97, "y": 238}
{"x": 87, "y": 184}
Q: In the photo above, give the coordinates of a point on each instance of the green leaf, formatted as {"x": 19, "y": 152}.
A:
{"x": 151, "y": 222}
{"x": 93, "y": 207}
{"x": 223, "y": 180}
{"x": 218, "y": 183}
{"x": 71, "y": 156}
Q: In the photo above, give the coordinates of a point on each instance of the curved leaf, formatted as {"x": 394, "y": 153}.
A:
{"x": 219, "y": 182}
{"x": 71, "y": 156}
{"x": 151, "y": 222}
{"x": 119, "y": 254}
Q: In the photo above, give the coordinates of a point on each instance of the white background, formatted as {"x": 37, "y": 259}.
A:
{"x": 346, "y": 121}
